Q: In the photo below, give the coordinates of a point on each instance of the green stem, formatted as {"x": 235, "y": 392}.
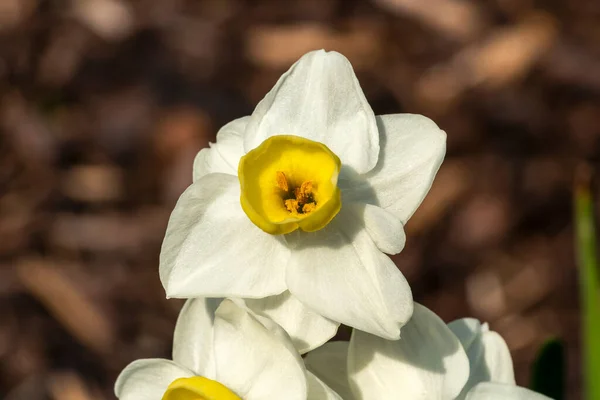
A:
{"x": 588, "y": 283}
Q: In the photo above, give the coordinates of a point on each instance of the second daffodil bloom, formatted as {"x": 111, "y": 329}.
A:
{"x": 304, "y": 197}
{"x": 223, "y": 353}
{"x": 432, "y": 361}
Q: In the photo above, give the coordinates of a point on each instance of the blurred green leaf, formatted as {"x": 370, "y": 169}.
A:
{"x": 548, "y": 375}
{"x": 588, "y": 283}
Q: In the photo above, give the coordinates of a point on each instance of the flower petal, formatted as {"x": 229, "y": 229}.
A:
{"x": 319, "y": 98}
{"x": 307, "y": 329}
{"x": 467, "y": 330}
{"x": 193, "y": 337}
{"x": 386, "y": 230}
{"x": 211, "y": 249}
{"x": 489, "y": 356}
{"x": 329, "y": 363}
{"x": 339, "y": 273}
{"x": 253, "y": 360}
{"x": 317, "y": 390}
{"x": 224, "y": 155}
{"x": 497, "y": 358}
{"x": 499, "y": 391}
{"x": 412, "y": 149}
{"x": 148, "y": 379}
{"x": 428, "y": 362}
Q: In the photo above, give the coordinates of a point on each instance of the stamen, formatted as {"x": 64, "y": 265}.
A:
{"x": 282, "y": 182}
{"x": 299, "y": 200}
{"x": 291, "y": 205}
{"x": 304, "y": 193}
{"x": 308, "y": 207}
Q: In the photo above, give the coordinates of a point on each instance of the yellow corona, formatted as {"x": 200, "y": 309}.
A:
{"x": 289, "y": 183}
{"x": 198, "y": 388}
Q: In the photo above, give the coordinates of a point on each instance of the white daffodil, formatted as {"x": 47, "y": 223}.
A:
{"x": 223, "y": 353}
{"x": 304, "y": 197}
{"x": 462, "y": 360}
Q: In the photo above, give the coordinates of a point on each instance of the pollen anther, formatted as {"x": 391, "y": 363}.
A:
{"x": 282, "y": 182}
{"x": 299, "y": 200}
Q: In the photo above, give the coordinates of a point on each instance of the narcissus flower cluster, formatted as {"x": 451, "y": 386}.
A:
{"x": 285, "y": 234}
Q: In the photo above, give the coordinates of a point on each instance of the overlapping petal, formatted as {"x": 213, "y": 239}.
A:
{"x": 148, "y": 379}
{"x": 499, "y": 391}
{"x": 236, "y": 349}
{"x": 193, "y": 337}
{"x": 428, "y": 362}
{"x": 319, "y": 98}
{"x": 386, "y": 230}
{"x": 224, "y": 155}
{"x": 329, "y": 363}
{"x": 489, "y": 356}
{"x": 339, "y": 272}
{"x": 412, "y": 149}
{"x": 318, "y": 390}
{"x": 212, "y": 249}
{"x": 252, "y": 360}
{"x": 307, "y": 329}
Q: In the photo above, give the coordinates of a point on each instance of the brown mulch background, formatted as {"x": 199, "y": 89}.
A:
{"x": 104, "y": 103}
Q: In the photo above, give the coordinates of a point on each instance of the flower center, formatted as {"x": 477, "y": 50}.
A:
{"x": 198, "y": 388}
{"x": 289, "y": 182}
{"x": 298, "y": 200}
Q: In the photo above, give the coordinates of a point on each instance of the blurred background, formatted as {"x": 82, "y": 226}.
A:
{"x": 104, "y": 104}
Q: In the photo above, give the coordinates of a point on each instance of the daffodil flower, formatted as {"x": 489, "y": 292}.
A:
{"x": 223, "y": 353}
{"x": 432, "y": 360}
{"x": 301, "y": 200}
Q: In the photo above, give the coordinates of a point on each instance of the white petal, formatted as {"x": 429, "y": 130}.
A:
{"x": 212, "y": 249}
{"x": 329, "y": 363}
{"x": 386, "y": 230}
{"x": 319, "y": 98}
{"x": 467, "y": 330}
{"x": 317, "y": 390}
{"x": 307, "y": 329}
{"x": 252, "y": 360}
{"x": 428, "y": 362}
{"x": 148, "y": 379}
{"x": 499, "y": 391}
{"x": 339, "y": 273}
{"x": 498, "y": 359}
{"x": 489, "y": 356}
{"x": 193, "y": 337}
{"x": 412, "y": 149}
{"x": 224, "y": 155}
